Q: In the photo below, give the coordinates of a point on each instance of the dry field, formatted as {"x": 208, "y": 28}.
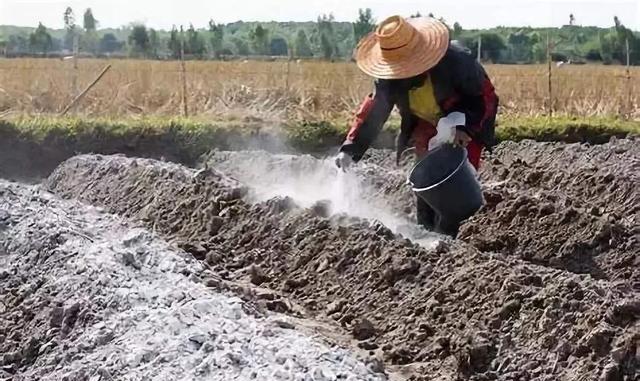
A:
{"x": 283, "y": 89}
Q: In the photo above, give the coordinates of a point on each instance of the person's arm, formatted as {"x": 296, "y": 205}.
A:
{"x": 369, "y": 119}
{"x": 469, "y": 84}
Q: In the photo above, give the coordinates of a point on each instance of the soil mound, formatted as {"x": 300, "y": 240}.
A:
{"x": 84, "y": 297}
{"x": 570, "y": 206}
{"x": 574, "y": 207}
{"x": 450, "y": 311}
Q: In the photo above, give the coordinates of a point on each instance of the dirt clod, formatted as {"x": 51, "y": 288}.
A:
{"x": 363, "y": 329}
{"x": 257, "y": 275}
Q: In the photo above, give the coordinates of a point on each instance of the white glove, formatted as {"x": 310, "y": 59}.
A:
{"x": 343, "y": 161}
{"x": 447, "y": 129}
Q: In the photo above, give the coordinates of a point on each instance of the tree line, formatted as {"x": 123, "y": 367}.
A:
{"x": 324, "y": 38}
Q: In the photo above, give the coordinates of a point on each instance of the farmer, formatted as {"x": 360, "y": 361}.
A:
{"x": 431, "y": 82}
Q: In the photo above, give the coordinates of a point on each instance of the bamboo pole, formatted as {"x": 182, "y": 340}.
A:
{"x": 76, "y": 44}
{"x": 288, "y": 74}
{"x": 183, "y": 71}
{"x": 83, "y": 93}
{"x": 629, "y": 82}
{"x": 549, "y": 87}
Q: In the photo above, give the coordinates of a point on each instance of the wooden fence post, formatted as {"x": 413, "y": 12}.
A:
{"x": 76, "y": 44}
{"x": 629, "y": 82}
{"x": 549, "y": 87}
{"x": 83, "y": 93}
{"x": 479, "y": 48}
{"x": 183, "y": 75}
{"x": 288, "y": 74}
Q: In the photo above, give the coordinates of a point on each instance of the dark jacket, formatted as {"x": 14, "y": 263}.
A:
{"x": 460, "y": 84}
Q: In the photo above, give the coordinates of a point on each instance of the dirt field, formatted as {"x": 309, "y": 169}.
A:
{"x": 543, "y": 284}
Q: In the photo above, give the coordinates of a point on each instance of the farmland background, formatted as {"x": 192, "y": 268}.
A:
{"x": 286, "y": 89}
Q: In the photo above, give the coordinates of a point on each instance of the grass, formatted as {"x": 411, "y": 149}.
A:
{"x": 196, "y": 135}
{"x": 565, "y": 128}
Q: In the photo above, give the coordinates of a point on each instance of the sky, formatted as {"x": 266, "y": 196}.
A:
{"x": 163, "y": 14}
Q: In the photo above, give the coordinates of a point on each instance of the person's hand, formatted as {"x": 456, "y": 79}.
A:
{"x": 461, "y": 139}
{"x": 343, "y": 161}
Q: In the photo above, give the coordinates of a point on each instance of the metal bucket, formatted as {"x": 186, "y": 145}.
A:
{"x": 446, "y": 181}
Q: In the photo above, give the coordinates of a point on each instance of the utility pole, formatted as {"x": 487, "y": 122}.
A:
{"x": 479, "y": 48}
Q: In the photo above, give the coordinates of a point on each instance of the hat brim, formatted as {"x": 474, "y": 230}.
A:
{"x": 423, "y": 52}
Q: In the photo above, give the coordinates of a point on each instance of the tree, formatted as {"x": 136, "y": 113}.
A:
{"x": 521, "y": 45}
{"x": 364, "y": 24}
{"x": 216, "y": 38}
{"x": 417, "y": 14}
{"x": 492, "y": 45}
{"x": 593, "y": 55}
{"x": 194, "y": 44}
{"x": 70, "y": 28}
{"x": 174, "y": 43}
{"x": 241, "y": 46}
{"x": 607, "y": 46}
{"x": 154, "y": 43}
{"x": 69, "y": 19}
{"x": 260, "y": 40}
{"x": 326, "y": 46}
{"x": 90, "y": 22}
{"x": 40, "y": 40}
{"x": 109, "y": 43}
{"x": 325, "y": 32}
{"x": 539, "y": 52}
{"x": 89, "y": 41}
{"x": 18, "y": 43}
{"x": 302, "y": 48}
{"x": 457, "y": 30}
{"x": 279, "y": 47}
{"x": 623, "y": 35}
{"x": 572, "y": 20}
{"x": 139, "y": 40}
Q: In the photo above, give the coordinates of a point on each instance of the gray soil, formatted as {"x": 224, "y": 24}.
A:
{"x": 87, "y": 296}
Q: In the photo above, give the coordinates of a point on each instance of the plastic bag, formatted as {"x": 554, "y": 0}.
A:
{"x": 447, "y": 129}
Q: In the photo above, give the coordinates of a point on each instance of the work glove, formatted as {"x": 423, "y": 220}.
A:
{"x": 447, "y": 131}
{"x": 343, "y": 161}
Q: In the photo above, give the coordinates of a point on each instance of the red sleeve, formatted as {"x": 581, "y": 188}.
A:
{"x": 369, "y": 119}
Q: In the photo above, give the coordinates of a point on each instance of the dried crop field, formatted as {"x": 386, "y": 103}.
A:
{"x": 282, "y": 89}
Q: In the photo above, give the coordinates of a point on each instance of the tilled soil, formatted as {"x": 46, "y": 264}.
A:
{"x": 574, "y": 207}
{"x": 449, "y": 311}
{"x": 367, "y": 191}
{"x": 85, "y": 296}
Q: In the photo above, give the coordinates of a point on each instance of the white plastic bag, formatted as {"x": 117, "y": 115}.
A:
{"x": 447, "y": 129}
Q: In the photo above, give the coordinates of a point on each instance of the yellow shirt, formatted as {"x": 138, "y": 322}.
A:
{"x": 422, "y": 102}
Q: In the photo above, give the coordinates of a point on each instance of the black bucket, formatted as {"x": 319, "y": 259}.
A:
{"x": 446, "y": 181}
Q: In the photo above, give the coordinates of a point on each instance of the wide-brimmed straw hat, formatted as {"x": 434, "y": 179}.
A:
{"x": 402, "y": 48}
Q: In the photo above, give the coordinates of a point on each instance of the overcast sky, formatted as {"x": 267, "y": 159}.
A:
{"x": 470, "y": 13}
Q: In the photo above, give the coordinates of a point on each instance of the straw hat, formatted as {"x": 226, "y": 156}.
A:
{"x": 400, "y": 48}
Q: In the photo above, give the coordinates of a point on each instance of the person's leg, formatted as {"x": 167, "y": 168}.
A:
{"x": 446, "y": 227}
{"x": 426, "y": 216}
{"x": 474, "y": 150}
{"x": 451, "y": 228}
